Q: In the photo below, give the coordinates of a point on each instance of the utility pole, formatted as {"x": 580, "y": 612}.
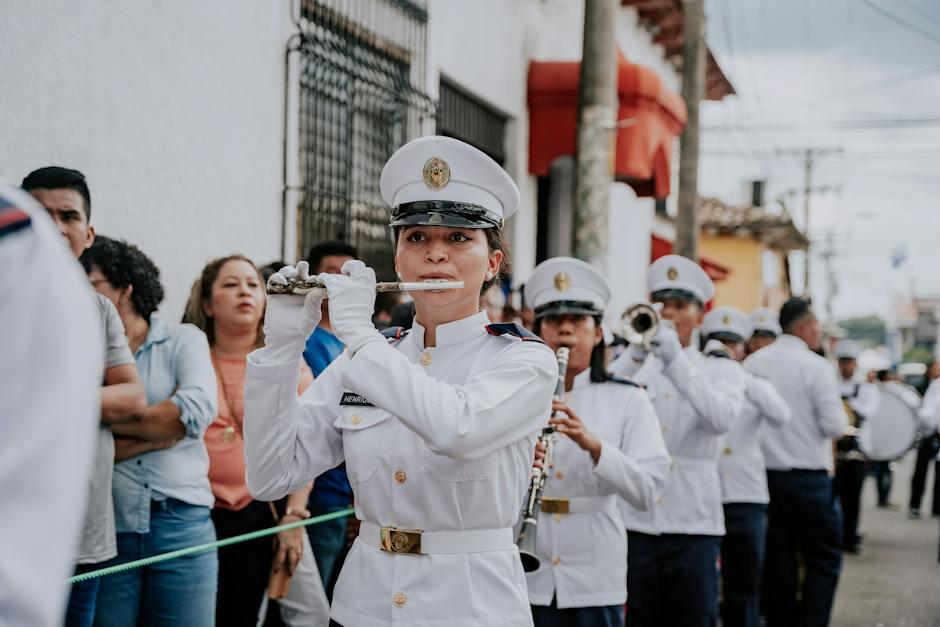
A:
{"x": 597, "y": 116}
{"x": 832, "y": 286}
{"x": 693, "y": 88}
{"x": 810, "y": 156}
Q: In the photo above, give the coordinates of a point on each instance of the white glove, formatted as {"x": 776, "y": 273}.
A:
{"x": 289, "y": 319}
{"x": 352, "y": 303}
{"x": 666, "y": 344}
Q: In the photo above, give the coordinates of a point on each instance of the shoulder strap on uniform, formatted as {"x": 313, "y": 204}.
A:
{"x": 516, "y": 330}
{"x": 393, "y": 334}
{"x": 615, "y": 379}
{"x": 12, "y": 218}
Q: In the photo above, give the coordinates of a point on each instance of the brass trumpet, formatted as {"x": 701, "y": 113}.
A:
{"x": 639, "y": 324}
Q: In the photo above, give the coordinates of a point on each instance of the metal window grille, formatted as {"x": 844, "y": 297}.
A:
{"x": 468, "y": 119}
{"x": 362, "y": 78}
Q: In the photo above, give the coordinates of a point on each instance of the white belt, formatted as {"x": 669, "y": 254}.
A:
{"x": 575, "y": 505}
{"x": 415, "y": 542}
{"x": 694, "y": 462}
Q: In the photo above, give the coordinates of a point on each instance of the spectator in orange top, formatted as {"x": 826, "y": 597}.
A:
{"x": 227, "y": 302}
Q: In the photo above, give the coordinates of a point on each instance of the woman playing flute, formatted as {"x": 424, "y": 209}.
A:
{"x": 436, "y": 426}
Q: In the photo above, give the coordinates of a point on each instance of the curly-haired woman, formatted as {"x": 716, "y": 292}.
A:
{"x": 162, "y": 496}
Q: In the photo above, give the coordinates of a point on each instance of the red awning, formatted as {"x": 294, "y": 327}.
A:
{"x": 661, "y": 247}
{"x": 655, "y": 115}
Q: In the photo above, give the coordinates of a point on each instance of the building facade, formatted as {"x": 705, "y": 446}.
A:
{"x": 222, "y": 126}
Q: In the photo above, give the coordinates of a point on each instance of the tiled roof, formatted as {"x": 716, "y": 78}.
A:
{"x": 775, "y": 228}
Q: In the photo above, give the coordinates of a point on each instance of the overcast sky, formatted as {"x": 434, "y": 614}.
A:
{"x": 836, "y": 74}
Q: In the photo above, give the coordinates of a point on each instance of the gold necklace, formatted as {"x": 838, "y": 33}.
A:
{"x": 233, "y": 428}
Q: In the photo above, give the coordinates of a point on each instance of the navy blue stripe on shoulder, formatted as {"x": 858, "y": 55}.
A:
{"x": 393, "y": 334}
{"x": 513, "y": 329}
{"x": 615, "y": 379}
{"x": 12, "y": 218}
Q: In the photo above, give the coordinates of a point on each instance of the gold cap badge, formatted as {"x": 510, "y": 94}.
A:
{"x": 671, "y": 274}
{"x": 436, "y": 173}
{"x": 726, "y": 320}
{"x": 562, "y": 281}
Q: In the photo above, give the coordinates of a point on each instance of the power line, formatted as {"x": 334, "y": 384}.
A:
{"x": 911, "y": 27}
{"x": 921, "y": 11}
{"x": 884, "y": 123}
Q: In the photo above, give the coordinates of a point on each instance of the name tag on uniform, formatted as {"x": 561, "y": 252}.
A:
{"x": 351, "y": 398}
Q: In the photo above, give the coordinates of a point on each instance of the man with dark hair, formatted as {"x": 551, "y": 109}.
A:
{"x": 64, "y": 194}
{"x": 804, "y": 518}
{"x": 331, "y": 490}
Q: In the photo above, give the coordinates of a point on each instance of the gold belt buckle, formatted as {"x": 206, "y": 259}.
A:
{"x": 552, "y": 505}
{"x": 402, "y": 541}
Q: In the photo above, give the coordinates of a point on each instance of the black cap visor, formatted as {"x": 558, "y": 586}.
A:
{"x": 686, "y": 295}
{"x": 725, "y": 336}
{"x": 444, "y": 213}
{"x": 567, "y": 308}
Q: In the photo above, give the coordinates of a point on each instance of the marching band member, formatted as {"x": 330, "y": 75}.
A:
{"x": 613, "y": 448}
{"x": 860, "y": 399}
{"x": 743, "y": 476}
{"x": 803, "y": 517}
{"x": 672, "y": 575}
{"x": 764, "y": 329}
{"x": 436, "y": 426}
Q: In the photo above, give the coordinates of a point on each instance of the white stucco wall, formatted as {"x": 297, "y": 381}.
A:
{"x": 173, "y": 110}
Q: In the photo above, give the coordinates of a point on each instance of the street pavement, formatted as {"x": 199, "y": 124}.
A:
{"x": 895, "y": 582}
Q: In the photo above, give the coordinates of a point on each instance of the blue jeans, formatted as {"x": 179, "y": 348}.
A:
{"x": 742, "y": 558}
{"x": 602, "y": 616}
{"x": 804, "y": 521}
{"x": 327, "y": 539}
{"x": 180, "y": 591}
{"x": 672, "y": 579}
{"x": 82, "y": 597}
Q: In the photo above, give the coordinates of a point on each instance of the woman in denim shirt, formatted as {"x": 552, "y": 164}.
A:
{"x": 161, "y": 491}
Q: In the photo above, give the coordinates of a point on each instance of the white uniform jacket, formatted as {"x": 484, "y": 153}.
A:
{"x": 807, "y": 382}
{"x": 743, "y": 475}
{"x": 581, "y": 553}
{"x": 697, "y": 400}
{"x": 434, "y": 439}
{"x": 863, "y": 397}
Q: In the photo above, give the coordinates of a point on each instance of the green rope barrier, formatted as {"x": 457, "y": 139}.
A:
{"x": 200, "y": 548}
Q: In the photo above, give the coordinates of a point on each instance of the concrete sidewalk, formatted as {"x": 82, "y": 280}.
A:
{"x": 896, "y": 579}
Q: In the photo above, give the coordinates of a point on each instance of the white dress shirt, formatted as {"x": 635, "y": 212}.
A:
{"x": 697, "y": 400}
{"x": 445, "y": 444}
{"x": 743, "y": 475}
{"x": 581, "y": 553}
{"x": 50, "y": 375}
{"x": 807, "y": 382}
{"x": 930, "y": 408}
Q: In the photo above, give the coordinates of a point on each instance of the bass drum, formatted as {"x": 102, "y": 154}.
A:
{"x": 891, "y": 431}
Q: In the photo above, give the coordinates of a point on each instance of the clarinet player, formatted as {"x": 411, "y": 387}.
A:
{"x": 436, "y": 426}
{"x": 609, "y": 445}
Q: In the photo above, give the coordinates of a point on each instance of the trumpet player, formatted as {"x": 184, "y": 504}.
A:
{"x": 743, "y": 476}
{"x": 609, "y": 445}
{"x": 436, "y": 427}
{"x": 673, "y": 548}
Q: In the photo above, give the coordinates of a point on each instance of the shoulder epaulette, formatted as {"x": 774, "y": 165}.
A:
{"x": 516, "y": 330}
{"x": 615, "y": 379}
{"x": 12, "y": 218}
{"x": 393, "y": 334}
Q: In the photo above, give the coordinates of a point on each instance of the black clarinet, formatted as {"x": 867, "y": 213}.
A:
{"x": 533, "y": 499}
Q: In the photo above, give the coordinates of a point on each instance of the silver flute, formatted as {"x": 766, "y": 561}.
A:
{"x": 301, "y": 287}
